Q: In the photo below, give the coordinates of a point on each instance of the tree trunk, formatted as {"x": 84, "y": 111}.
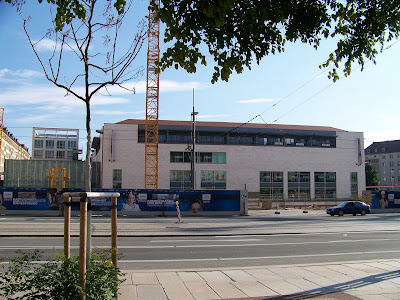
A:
{"x": 88, "y": 165}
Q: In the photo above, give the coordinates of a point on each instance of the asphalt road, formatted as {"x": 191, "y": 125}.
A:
{"x": 355, "y": 239}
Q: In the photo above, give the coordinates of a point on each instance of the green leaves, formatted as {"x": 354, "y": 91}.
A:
{"x": 67, "y": 10}
{"x": 59, "y": 278}
{"x": 237, "y": 32}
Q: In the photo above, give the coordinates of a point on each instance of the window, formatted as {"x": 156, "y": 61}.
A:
{"x": 391, "y": 171}
{"x": 323, "y": 142}
{"x": 275, "y": 141}
{"x": 38, "y": 144}
{"x": 179, "y": 179}
{"x": 49, "y": 154}
{"x": 325, "y": 185}
{"x": 60, "y": 144}
{"x": 354, "y": 184}
{"x": 205, "y": 157}
{"x": 219, "y": 158}
{"x": 179, "y": 137}
{"x": 49, "y": 144}
{"x": 289, "y": 141}
{"x": 213, "y": 180}
{"x": 271, "y": 185}
{"x": 69, "y": 154}
{"x": 180, "y": 157}
{"x": 60, "y": 154}
{"x": 117, "y": 178}
{"x": 391, "y": 164}
{"x": 38, "y": 153}
{"x": 72, "y": 145}
{"x": 299, "y": 185}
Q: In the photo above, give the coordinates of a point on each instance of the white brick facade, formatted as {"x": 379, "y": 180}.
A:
{"x": 121, "y": 149}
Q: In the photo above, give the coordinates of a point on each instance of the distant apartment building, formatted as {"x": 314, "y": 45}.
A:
{"x": 11, "y": 149}
{"x": 385, "y": 158}
{"x": 55, "y": 144}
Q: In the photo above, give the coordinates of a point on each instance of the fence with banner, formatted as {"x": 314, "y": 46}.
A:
{"x": 132, "y": 201}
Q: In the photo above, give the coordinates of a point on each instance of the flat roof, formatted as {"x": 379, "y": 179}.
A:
{"x": 233, "y": 125}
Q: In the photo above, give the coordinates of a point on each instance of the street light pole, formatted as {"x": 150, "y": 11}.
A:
{"x": 193, "y": 154}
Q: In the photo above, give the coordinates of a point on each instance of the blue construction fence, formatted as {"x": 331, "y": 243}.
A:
{"x": 385, "y": 199}
{"x": 131, "y": 200}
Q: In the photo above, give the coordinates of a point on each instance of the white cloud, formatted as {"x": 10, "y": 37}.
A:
{"x": 200, "y": 116}
{"x": 24, "y": 74}
{"x": 139, "y": 87}
{"x": 50, "y": 45}
{"x": 174, "y": 86}
{"x": 35, "y": 119}
{"x": 258, "y": 100}
{"x": 118, "y": 112}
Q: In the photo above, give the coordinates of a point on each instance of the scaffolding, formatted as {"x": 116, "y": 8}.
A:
{"x": 57, "y": 177}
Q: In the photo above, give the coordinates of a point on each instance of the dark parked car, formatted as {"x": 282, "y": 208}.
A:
{"x": 349, "y": 207}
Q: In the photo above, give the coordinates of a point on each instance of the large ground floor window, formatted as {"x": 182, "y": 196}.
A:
{"x": 325, "y": 185}
{"x": 215, "y": 180}
{"x": 271, "y": 185}
{"x": 180, "y": 179}
{"x": 299, "y": 185}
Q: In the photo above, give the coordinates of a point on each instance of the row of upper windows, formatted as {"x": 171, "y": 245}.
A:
{"x": 175, "y": 137}
{"x": 51, "y": 154}
{"x": 297, "y": 177}
{"x": 392, "y": 171}
{"x": 38, "y": 144}
{"x": 201, "y": 157}
{"x": 391, "y": 164}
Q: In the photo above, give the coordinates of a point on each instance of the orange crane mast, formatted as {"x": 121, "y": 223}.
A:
{"x": 152, "y": 96}
{"x": 1, "y": 127}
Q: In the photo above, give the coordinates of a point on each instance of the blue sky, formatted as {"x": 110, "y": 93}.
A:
{"x": 287, "y": 88}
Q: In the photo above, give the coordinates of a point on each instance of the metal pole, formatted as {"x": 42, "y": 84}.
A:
{"x": 67, "y": 226}
{"x": 193, "y": 156}
{"x": 83, "y": 246}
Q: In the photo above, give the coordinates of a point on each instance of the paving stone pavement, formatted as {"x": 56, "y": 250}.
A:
{"x": 367, "y": 280}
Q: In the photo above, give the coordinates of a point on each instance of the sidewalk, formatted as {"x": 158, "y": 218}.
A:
{"x": 369, "y": 280}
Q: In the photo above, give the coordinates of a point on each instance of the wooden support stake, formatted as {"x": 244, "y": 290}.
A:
{"x": 67, "y": 226}
{"x": 82, "y": 245}
{"x": 114, "y": 233}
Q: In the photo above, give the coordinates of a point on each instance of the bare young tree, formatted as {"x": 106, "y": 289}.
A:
{"x": 93, "y": 68}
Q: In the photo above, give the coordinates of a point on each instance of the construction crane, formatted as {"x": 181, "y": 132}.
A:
{"x": 1, "y": 128}
{"x": 152, "y": 92}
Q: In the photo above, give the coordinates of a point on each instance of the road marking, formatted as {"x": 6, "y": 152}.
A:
{"x": 202, "y": 246}
{"x": 204, "y": 240}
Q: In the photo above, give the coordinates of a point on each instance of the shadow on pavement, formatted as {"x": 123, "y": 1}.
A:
{"x": 335, "y": 291}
